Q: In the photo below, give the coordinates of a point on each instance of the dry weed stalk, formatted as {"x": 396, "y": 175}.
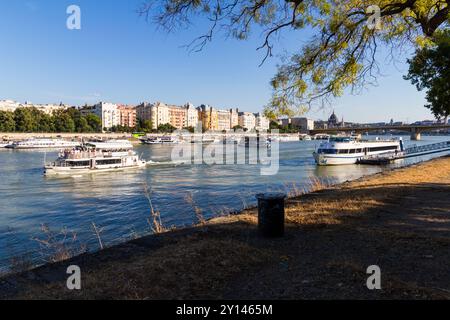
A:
{"x": 155, "y": 216}
{"x": 98, "y": 232}
{"x": 317, "y": 184}
{"x": 198, "y": 211}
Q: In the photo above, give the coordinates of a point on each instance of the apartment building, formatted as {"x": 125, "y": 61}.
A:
{"x": 144, "y": 111}
{"x": 127, "y": 116}
{"x": 160, "y": 115}
{"x": 177, "y": 117}
{"x": 261, "y": 122}
{"x": 109, "y": 113}
{"x": 303, "y": 124}
{"x": 11, "y": 106}
{"x": 224, "y": 120}
{"x": 247, "y": 120}
{"x": 191, "y": 115}
{"x": 234, "y": 118}
{"x": 209, "y": 117}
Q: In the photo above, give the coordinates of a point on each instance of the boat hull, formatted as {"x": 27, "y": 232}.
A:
{"x": 330, "y": 160}
{"x": 72, "y": 171}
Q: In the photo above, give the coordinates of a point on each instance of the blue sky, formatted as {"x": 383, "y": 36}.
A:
{"x": 117, "y": 56}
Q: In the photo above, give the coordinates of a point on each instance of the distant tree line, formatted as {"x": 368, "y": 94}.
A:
{"x": 144, "y": 126}
{"x": 64, "y": 121}
{"x": 274, "y": 125}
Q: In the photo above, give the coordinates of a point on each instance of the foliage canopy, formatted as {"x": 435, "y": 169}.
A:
{"x": 341, "y": 53}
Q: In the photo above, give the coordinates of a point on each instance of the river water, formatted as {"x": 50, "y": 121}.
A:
{"x": 116, "y": 202}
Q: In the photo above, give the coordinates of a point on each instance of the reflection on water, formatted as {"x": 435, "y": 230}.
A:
{"x": 116, "y": 201}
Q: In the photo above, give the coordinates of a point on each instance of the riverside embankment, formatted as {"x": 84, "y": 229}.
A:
{"x": 398, "y": 220}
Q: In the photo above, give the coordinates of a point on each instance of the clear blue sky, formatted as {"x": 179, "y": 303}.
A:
{"x": 117, "y": 56}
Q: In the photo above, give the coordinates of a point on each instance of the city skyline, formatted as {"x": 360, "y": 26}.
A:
{"x": 117, "y": 56}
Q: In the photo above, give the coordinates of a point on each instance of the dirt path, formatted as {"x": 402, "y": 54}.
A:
{"x": 398, "y": 220}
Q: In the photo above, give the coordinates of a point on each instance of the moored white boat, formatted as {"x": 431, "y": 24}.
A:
{"x": 43, "y": 144}
{"x": 162, "y": 140}
{"x": 349, "y": 150}
{"x": 94, "y": 157}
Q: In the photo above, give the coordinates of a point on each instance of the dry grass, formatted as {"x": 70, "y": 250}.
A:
{"x": 147, "y": 276}
{"x": 58, "y": 246}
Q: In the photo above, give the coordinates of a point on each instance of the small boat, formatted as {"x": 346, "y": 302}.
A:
{"x": 321, "y": 137}
{"x": 342, "y": 150}
{"x": 158, "y": 140}
{"x": 95, "y": 157}
{"x": 4, "y": 144}
{"x": 152, "y": 140}
{"x": 305, "y": 137}
{"x": 43, "y": 144}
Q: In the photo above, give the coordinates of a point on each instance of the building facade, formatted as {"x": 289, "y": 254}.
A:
{"x": 224, "y": 120}
{"x": 127, "y": 116}
{"x": 234, "y": 118}
{"x": 11, "y": 106}
{"x": 177, "y": 117}
{"x": 191, "y": 115}
{"x": 303, "y": 124}
{"x": 247, "y": 120}
{"x": 209, "y": 117}
{"x": 109, "y": 113}
{"x": 144, "y": 112}
{"x": 160, "y": 115}
{"x": 261, "y": 122}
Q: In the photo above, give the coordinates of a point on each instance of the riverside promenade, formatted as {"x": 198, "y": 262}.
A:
{"x": 398, "y": 220}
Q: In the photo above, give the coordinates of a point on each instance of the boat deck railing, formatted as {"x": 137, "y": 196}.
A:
{"x": 427, "y": 148}
{"x": 408, "y": 153}
{"x": 89, "y": 155}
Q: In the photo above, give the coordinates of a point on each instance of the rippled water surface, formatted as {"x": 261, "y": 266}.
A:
{"x": 116, "y": 201}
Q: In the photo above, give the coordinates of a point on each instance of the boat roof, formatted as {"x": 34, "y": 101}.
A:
{"x": 111, "y": 145}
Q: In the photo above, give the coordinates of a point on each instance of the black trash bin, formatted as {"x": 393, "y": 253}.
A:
{"x": 271, "y": 216}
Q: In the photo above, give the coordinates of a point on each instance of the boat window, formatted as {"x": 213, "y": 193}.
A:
{"x": 109, "y": 161}
{"x": 343, "y": 151}
{"x": 327, "y": 151}
{"x": 78, "y": 163}
{"x": 341, "y": 139}
{"x": 388, "y": 148}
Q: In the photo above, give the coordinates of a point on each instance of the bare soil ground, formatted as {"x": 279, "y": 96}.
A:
{"x": 398, "y": 220}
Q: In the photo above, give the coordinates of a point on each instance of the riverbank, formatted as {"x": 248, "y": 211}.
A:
{"x": 398, "y": 220}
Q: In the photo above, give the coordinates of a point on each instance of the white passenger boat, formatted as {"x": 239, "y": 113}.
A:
{"x": 43, "y": 144}
{"x": 349, "y": 150}
{"x": 94, "y": 157}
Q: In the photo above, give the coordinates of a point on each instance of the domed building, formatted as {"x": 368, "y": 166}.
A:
{"x": 333, "y": 121}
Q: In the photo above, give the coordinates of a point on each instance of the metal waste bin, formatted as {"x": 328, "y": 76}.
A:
{"x": 271, "y": 215}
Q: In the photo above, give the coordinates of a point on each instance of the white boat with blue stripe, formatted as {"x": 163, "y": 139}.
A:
{"x": 349, "y": 150}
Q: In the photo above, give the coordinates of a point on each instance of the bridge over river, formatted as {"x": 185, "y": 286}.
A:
{"x": 415, "y": 130}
